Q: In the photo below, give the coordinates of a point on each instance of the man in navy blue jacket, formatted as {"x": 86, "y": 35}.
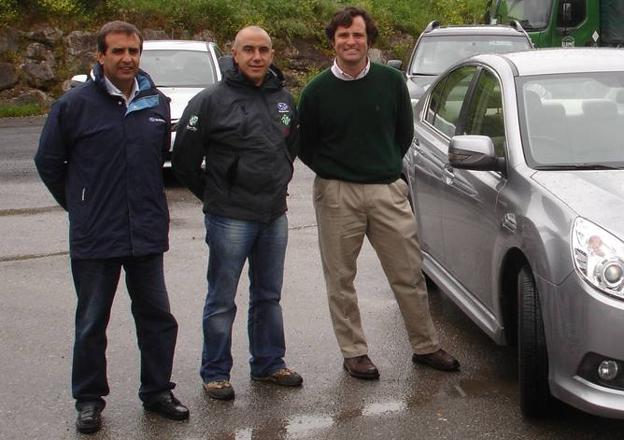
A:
{"x": 100, "y": 155}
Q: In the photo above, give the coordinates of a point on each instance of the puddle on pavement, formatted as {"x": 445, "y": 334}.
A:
{"x": 380, "y": 408}
{"x": 299, "y": 425}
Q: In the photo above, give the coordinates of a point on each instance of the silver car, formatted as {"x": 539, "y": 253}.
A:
{"x": 439, "y": 47}
{"x": 517, "y": 183}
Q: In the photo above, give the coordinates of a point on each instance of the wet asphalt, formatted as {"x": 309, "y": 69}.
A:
{"x": 408, "y": 402}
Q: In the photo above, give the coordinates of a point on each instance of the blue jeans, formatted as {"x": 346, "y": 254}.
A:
{"x": 96, "y": 283}
{"x": 231, "y": 242}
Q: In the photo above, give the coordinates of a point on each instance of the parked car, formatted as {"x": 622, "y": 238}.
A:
{"x": 180, "y": 69}
{"x": 439, "y": 47}
{"x": 516, "y": 180}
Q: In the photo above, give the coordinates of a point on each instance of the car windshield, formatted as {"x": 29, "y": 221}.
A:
{"x": 573, "y": 121}
{"x": 532, "y": 14}
{"x": 435, "y": 54}
{"x": 179, "y": 68}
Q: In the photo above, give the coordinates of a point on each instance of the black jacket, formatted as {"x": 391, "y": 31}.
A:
{"x": 102, "y": 162}
{"x": 247, "y": 136}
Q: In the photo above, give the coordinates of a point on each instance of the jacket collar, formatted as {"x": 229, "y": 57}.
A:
{"x": 273, "y": 80}
{"x": 143, "y": 79}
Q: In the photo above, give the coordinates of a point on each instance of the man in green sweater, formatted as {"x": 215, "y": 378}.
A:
{"x": 356, "y": 125}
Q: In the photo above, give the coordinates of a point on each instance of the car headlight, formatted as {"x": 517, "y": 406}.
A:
{"x": 599, "y": 257}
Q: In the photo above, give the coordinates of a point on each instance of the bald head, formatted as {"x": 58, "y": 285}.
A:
{"x": 252, "y": 31}
{"x": 253, "y": 53}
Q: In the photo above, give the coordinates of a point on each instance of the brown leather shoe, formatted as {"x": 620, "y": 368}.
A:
{"x": 440, "y": 360}
{"x": 361, "y": 367}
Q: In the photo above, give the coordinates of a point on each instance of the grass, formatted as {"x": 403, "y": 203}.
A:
{"x": 21, "y": 110}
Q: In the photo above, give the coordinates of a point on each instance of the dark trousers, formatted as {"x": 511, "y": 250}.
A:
{"x": 96, "y": 282}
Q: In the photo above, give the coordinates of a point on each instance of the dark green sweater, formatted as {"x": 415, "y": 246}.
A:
{"x": 357, "y": 131}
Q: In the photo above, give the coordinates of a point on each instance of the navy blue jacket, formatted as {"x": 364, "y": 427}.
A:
{"x": 102, "y": 162}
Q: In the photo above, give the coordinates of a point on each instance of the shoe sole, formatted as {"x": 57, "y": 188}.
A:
{"x": 372, "y": 376}
{"x": 169, "y": 416}
{"x": 276, "y": 382}
{"x": 217, "y": 396}
{"x": 90, "y": 430}
{"x": 436, "y": 366}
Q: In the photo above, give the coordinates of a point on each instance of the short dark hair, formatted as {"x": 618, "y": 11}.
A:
{"x": 116, "y": 26}
{"x": 345, "y": 17}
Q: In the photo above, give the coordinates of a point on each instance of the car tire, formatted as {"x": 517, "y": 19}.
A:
{"x": 535, "y": 397}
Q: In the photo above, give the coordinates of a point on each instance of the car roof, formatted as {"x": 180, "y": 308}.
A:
{"x": 564, "y": 60}
{"x": 486, "y": 30}
{"x": 195, "y": 45}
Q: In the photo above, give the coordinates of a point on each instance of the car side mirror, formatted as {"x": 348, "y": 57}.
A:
{"x": 474, "y": 152}
{"x": 76, "y": 80}
{"x": 397, "y": 64}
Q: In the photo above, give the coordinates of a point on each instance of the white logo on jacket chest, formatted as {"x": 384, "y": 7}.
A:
{"x": 155, "y": 119}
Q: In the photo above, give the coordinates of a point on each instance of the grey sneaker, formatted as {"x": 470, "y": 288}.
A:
{"x": 220, "y": 390}
{"x": 284, "y": 377}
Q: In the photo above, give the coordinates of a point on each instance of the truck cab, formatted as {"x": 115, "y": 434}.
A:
{"x": 565, "y": 23}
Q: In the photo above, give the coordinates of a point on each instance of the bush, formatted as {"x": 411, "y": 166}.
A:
{"x": 285, "y": 19}
{"x": 8, "y": 11}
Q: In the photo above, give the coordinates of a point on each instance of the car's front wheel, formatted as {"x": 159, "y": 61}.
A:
{"x": 535, "y": 397}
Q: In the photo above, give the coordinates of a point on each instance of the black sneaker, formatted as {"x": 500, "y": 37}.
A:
{"x": 89, "y": 418}
{"x": 167, "y": 406}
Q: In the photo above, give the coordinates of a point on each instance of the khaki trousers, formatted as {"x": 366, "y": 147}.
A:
{"x": 345, "y": 213}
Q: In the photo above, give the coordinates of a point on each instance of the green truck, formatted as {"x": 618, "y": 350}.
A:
{"x": 565, "y": 23}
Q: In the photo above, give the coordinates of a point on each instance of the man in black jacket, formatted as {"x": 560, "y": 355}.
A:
{"x": 245, "y": 129}
{"x": 101, "y": 155}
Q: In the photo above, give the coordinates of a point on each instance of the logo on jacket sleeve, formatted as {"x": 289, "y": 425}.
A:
{"x": 283, "y": 107}
{"x": 192, "y": 123}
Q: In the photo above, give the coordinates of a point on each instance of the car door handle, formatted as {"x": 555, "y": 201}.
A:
{"x": 448, "y": 174}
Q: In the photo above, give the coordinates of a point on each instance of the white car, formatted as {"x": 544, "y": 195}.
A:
{"x": 180, "y": 69}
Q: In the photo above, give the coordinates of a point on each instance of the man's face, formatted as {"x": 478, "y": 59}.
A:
{"x": 254, "y": 54}
{"x": 121, "y": 60}
{"x": 351, "y": 43}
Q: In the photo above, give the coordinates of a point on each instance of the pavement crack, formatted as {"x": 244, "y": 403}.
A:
{"x": 29, "y": 211}
{"x": 300, "y": 227}
{"x": 31, "y": 256}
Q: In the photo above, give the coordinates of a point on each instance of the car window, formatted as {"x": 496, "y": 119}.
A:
{"x": 485, "y": 114}
{"x": 577, "y": 14}
{"x": 447, "y": 99}
{"x": 573, "y": 119}
{"x": 533, "y": 15}
{"x": 435, "y": 54}
{"x": 217, "y": 51}
{"x": 179, "y": 68}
